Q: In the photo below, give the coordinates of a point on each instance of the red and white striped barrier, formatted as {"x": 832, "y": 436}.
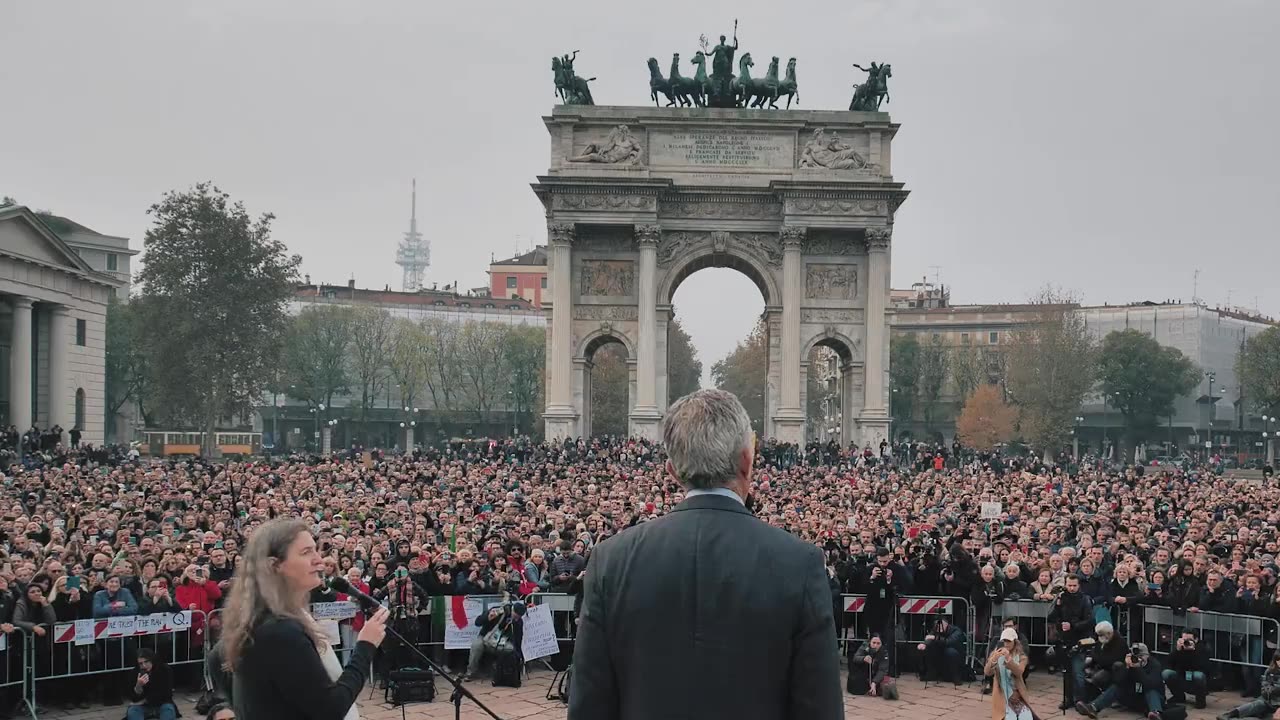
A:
{"x": 85, "y": 632}
{"x": 906, "y": 605}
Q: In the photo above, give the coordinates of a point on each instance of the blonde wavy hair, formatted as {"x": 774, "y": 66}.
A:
{"x": 259, "y": 592}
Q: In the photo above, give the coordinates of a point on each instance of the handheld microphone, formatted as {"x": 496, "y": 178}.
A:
{"x": 342, "y": 585}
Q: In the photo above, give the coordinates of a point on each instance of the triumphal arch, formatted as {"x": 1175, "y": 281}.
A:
{"x": 801, "y": 202}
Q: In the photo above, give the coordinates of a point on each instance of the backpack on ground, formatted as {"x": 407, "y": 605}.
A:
{"x": 507, "y": 669}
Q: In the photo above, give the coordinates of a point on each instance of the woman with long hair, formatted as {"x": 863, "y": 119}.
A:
{"x": 1005, "y": 667}
{"x": 283, "y": 667}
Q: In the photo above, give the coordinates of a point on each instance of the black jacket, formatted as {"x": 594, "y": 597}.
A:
{"x": 882, "y": 594}
{"x": 1074, "y": 608}
{"x": 280, "y": 676}
{"x": 1219, "y": 600}
{"x": 159, "y": 687}
{"x": 512, "y": 627}
{"x": 677, "y": 603}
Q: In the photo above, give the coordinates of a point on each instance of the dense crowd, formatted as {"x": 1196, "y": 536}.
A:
{"x": 94, "y": 532}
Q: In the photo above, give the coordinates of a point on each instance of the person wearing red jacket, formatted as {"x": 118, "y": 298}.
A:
{"x": 196, "y": 592}
{"x": 349, "y": 629}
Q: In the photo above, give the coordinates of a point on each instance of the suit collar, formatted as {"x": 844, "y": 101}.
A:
{"x": 711, "y": 502}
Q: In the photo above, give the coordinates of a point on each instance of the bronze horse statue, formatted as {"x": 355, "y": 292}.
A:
{"x": 659, "y": 84}
{"x": 572, "y": 89}
{"x": 789, "y": 86}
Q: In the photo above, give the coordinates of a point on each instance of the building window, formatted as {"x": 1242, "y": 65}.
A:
{"x": 964, "y": 338}
{"x": 79, "y": 408}
{"x": 511, "y": 281}
{"x": 993, "y": 338}
{"x": 544, "y": 282}
{"x": 82, "y": 329}
{"x": 113, "y": 262}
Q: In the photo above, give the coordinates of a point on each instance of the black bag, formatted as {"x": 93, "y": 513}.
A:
{"x": 1174, "y": 712}
{"x": 858, "y": 682}
{"x": 410, "y": 685}
{"x": 507, "y": 669}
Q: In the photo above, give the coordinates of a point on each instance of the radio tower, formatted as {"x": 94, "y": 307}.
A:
{"x": 414, "y": 254}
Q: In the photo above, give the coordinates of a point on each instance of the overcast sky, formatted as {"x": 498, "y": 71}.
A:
{"x": 1108, "y": 147}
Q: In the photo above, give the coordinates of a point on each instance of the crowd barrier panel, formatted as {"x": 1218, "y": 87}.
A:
{"x": 912, "y": 620}
{"x": 562, "y": 612}
{"x": 15, "y": 663}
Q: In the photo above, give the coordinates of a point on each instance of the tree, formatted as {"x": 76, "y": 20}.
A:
{"x": 904, "y": 375}
{"x": 526, "y": 352}
{"x": 408, "y": 358}
{"x": 935, "y": 359}
{"x": 985, "y": 421}
{"x": 610, "y": 386}
{"x": 444, "y": 363}
{"x": 684, "y": 369}
{"x": 1051, "y": 365}
{"x": 968, "y": 370}
{"x": 127, "y": 368}
{"x": 1143, "y": 379}
{"x": 217, "y": 286}
{"x": 316, "y": 353}
{"x": 744, "y": 372}
{"x": 483, "y": 346}
{"x": 371, "y": 340}
{"x": 1258, "y": 368}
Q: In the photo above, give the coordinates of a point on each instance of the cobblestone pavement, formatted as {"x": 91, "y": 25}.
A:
{"x": 529, "y": 703}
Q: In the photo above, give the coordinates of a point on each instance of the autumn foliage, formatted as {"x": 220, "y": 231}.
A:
{"x": 986, "y": 420}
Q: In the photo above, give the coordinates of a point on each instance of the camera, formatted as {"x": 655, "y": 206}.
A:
{"x": 1135, "y": 653}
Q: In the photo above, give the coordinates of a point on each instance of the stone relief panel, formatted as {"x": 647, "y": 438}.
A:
{"x": 619, "y": 313}
{"x": 619, "y": 202}
{"x": 851, "y": 208}
{"x": 676, "y": 243}
{"x": 832, "y": 243}
{"x": 828, "y": 316}
{"x": 830, "y": 282}
{"x": 605, "y": 239}
{"x": 714, "y": 209}
{"x": 607, "y": 277}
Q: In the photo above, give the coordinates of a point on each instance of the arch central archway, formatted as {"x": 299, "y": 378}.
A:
{"x": 605, "y": 352}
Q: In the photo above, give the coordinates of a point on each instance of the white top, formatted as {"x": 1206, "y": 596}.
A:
{"x": 334, "y": 667}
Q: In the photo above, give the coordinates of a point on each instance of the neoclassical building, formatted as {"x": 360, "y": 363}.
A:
{"x": 52, "y": 329}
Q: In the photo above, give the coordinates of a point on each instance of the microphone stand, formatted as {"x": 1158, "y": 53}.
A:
{"x": 459, "y": 692}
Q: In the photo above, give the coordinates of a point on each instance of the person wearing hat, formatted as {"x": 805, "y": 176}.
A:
{"x": 1005, "y": 666}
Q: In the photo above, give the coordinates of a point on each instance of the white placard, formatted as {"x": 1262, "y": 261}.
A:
{"x": 539, "y": 634}
{"x": 4, "y": 642}
{"x": 333, "y": 610}
{"x": 150, "y": 624}
{"x": 460, "y": 638}
{"x": 992, "y": 510}
{"x": 121, "y": 625}
{"x": 330, "y": 629}
{"x": 84, "y": 631}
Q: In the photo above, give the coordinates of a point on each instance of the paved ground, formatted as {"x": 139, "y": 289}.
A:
{"x": 529, "y": 703}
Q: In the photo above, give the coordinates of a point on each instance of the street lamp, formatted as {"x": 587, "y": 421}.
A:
{"x": 1212, "y": 411}
{"x": 1075, "y": 439}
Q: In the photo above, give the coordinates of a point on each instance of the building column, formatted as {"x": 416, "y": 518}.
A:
{"x": 788, "y": 423}
{"x": 561, "y": 417}
{"x": 645, "y": 416}
{"x": 20, "y": 365}
{"x": 408, "y": 438}
{"x": 875, "y": 417}
{"x": 61, "y": 412}
{"x": 326, "y": 440}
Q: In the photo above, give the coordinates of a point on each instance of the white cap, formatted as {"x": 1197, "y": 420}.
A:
{"x": 1008, "y": 634}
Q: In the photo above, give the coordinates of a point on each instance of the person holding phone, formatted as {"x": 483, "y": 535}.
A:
{"x": 153, "y": 689}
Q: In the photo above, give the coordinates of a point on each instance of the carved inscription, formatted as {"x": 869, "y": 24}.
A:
{"x": 607, "y": 277}
{"x": 721, "y": 149}
{"x": 604, "y": 312}
{"x": 831, "y": 282}
{"x": 831, "y": 315}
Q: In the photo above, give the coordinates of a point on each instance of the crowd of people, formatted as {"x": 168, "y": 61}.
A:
{"x": 99, "y": 532}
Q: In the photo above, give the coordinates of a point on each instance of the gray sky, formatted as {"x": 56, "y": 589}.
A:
{"x": 1108, "y": 147}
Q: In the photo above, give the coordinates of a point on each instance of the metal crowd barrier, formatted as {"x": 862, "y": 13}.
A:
{"x": 911, "y": 622}
{"x": 1226, "y": 638}
{"x": 15, "y": 660}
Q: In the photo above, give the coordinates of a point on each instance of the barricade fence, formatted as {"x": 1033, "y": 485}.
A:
{"x": 1224, "y": 638}
{"x": 914, "y": 619}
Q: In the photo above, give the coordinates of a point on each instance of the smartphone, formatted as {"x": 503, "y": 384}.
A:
{"x": 73, "y": 583}
{"x": 133, "y": 539}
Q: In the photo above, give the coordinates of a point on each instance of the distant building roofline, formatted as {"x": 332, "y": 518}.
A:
{"x": 421, "y": 298}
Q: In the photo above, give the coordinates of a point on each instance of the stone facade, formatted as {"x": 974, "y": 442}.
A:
{"x": 52, "y": 329}
{"x": 801, "y": 202}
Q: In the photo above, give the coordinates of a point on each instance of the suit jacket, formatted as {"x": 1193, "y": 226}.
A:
{"x": 706, "y": 613}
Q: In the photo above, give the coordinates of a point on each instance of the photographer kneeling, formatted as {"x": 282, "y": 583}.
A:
{"x": 1186, "y": 671}
{"x": 501, "y": 632}
{"x": 1139, "y": 686}
{"x": 1104, "y": 667}
{"x": 943, "y": 653}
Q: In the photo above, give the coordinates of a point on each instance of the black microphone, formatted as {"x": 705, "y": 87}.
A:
{"x": 342, "y": 585}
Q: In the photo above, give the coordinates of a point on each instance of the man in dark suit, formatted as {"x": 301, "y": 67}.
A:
{"x": 707, "y": 612}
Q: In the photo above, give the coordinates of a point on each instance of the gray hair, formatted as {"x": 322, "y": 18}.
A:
{"x": 1104, "y": 628}
{"x": 705, "y": 433}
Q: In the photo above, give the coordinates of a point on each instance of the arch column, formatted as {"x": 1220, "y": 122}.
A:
{"x": 874, "y": 421}
{"x": 61, "y": 412}
{"x": 645, "y": 416}
{"x": 789, "y": 421}
{"x": 561, "y": 417}
{"x": 20, "y": 365}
